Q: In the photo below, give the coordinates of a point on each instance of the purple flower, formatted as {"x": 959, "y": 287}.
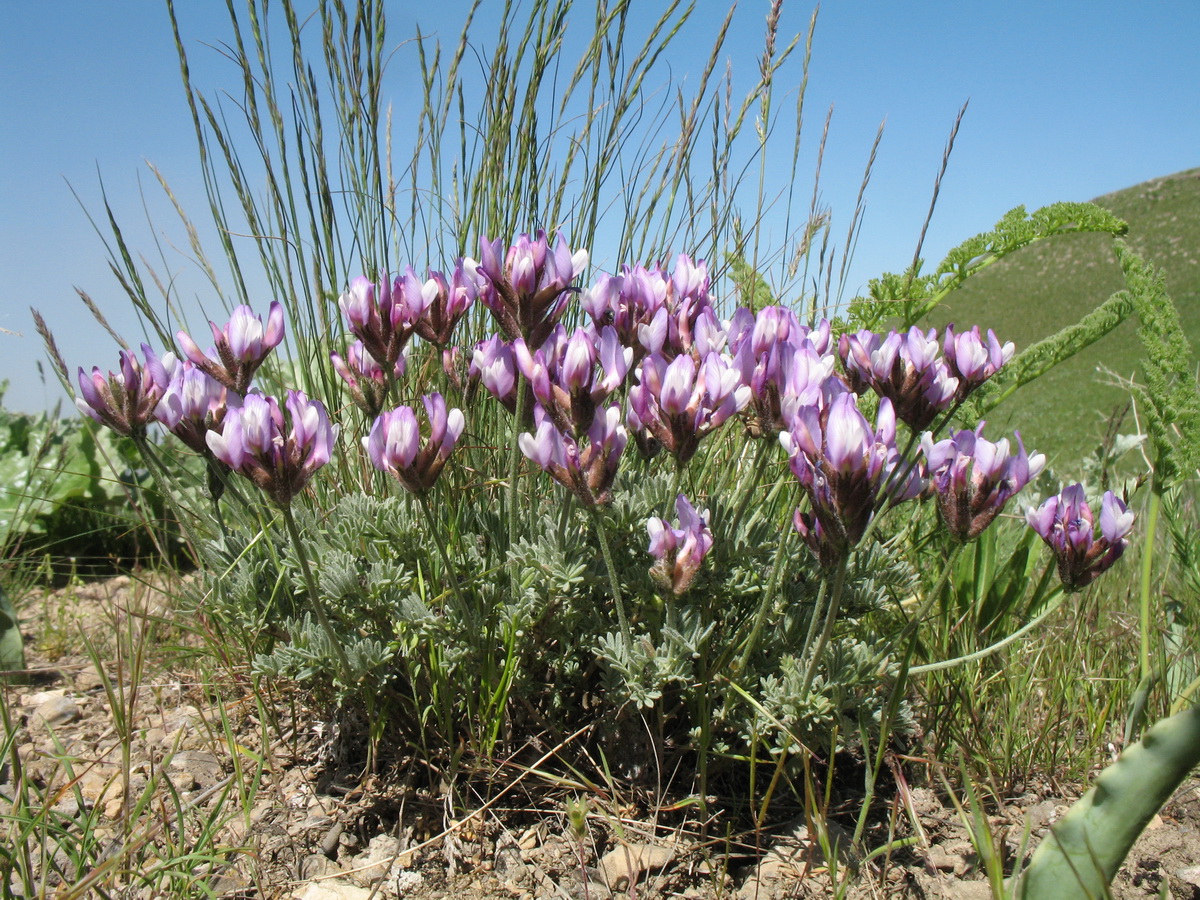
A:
{"x": 394, "y": 444}
{"x": 495, "y": 364}
{"x": 564, "y": 377}
{"x": 905, "y": 368}
{"x": 194, "y": 404}
{"x": 240, "y": 347}
{"x": 587, "y": 470}
{"x": 448, "y": 302}
{"x": 627, "y": 302}
{"x": 365, "y": 377}
{"x": 845, "y": 468}
{"x": 974, "y": 478}
{"x": 677, "y": 314}
{"x": 384, "y": 315}
{"x": 680, "y": 403}
{"x": 780, "y": 362}
{"x": 679, "y": 551}
{"x": 125, "y": 401}
{"x": 527, "y": 289}
{"x": 278, "y": 453}
{"x": 1065, "y": 522}
{"x": 970, "y": 361}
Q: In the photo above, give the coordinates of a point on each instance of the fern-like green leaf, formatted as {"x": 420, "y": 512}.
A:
{"x": 1169, "y": 398}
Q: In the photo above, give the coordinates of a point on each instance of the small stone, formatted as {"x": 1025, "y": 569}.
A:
{"x": 408, "y": 882}
{"x": 96, "y": 783}
{"x": 318, "y": 866}
{"x": 90, "y": 679}
{"x": 57, "y": 711}
{"x": 114, "y": 807}
{"x": 155, "y": 736}
{"x": 623, "y": 865}
{"x": 204, "y": 766}
{"x": 508, "y": 862}
{"x": 333, "y": 889}
{"x": 41, "y": 697}
{"x": 329, "y": 843}
{"x": 587, "y": 885}
{"x": 969, "y": 890}
{"x": 1189, "y": 875}
{"x": 938, "y": 858}
{"x": 68, "y": 806}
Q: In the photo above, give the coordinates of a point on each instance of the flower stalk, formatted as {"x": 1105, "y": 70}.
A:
{"x": 614, "y": 580}
{"x": 314, "y": 593}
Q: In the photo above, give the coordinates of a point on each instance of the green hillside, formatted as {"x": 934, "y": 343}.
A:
{"x": 1051, "y": 284}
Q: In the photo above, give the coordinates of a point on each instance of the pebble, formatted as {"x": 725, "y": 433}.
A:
{"x": 90, "y": 679}
{"x": 40, "y": 697}
{"x": 333, "y": 889}
{"x": 381, "y": 858}
{"x": 205, "y": 768}
{"x": 57, "y": 711}
{"x": 623, "y": 865}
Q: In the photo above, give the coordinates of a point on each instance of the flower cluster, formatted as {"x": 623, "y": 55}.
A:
{"x": 563, "y": 374}
{"x": 382, "y": 314}
{"x": 527, "y": 289}
{"x": 125, "y": 401}
{"x": 240, "y": 349}
{"x": 905, "y": 368}
{"x": 785, "y": 365}
{"x": 846, "y": 469}
{"x": 679, "y": 550}
{"x": 975, "y": 478}
{"x": 365, "y": 377}
{"x": 194, "y": 404}
{"x": 1066, "y": 523}
{"x": 447, "y": 302}
{"x": 278, "y": 452}
{"x": 681, "y": 402}
{"x": 586, "y": 469}
{"x": 970, "y": 361}
{"x": 394, "y": 444}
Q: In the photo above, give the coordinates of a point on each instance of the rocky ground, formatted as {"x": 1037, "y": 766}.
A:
{"x": 163, "y": 780}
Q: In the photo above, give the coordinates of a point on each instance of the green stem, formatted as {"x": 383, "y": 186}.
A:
{"x": 436, "y": 534}
{"x": 835, "y": 602}
{"x": 818, "y": 610}
{"x": 897, "y": 693}
{"x": 613, "y": 581}
{"x": 760, "y": 466}
{"x": 514, "y": 471}
{"x": 310, "y": 585}
{"x": 1055, "y": 603}
{"x": 677, "y": 482}
{"x": 764, "y": 605}
{"x": 1147, "y": 570}
{"x": 165, "y": 484}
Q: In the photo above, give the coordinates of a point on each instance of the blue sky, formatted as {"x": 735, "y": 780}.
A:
{"x": 1068, "y": 100}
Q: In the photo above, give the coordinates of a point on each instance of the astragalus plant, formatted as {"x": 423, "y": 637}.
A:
{"x": 584, "y": 481}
